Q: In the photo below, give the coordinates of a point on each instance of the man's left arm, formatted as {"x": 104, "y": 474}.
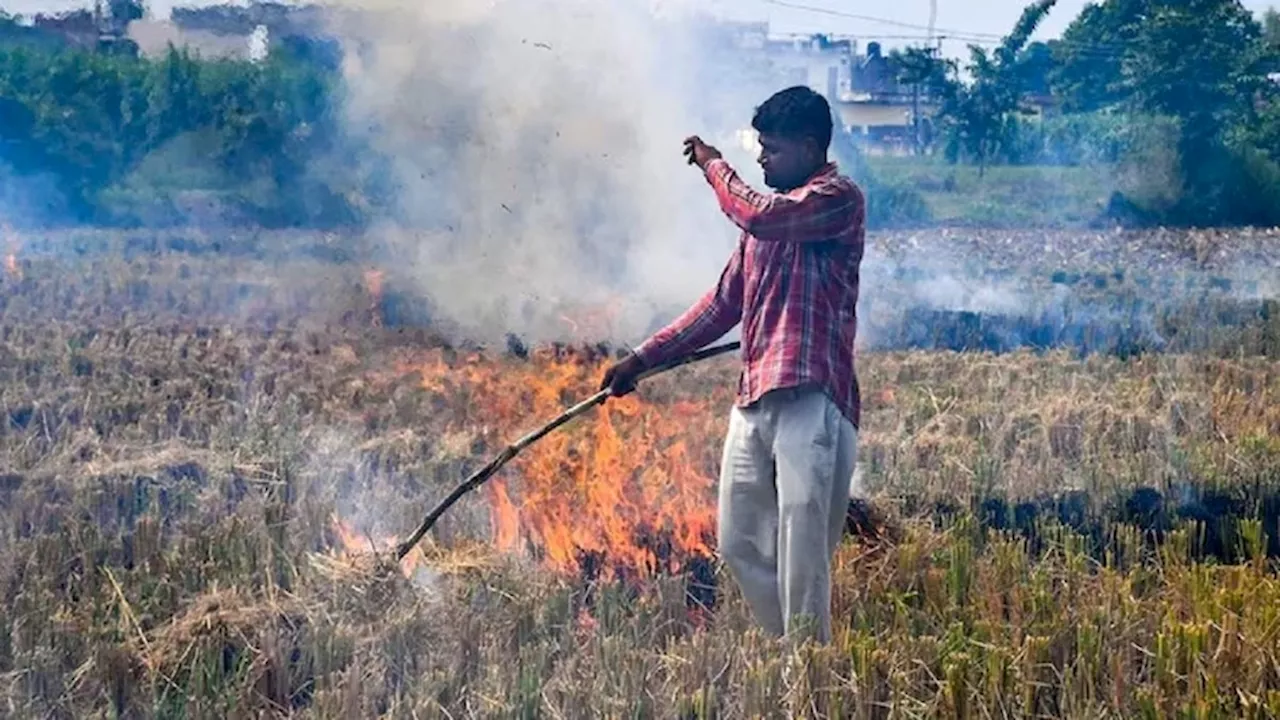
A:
{"x": 713, "y": 315}
{"x": 813, "y": 213}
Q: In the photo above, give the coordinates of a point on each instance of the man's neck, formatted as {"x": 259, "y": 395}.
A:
{"x": 809, "y": 175}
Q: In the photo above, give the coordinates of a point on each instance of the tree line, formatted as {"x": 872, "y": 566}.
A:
{"x": 1183, "y": 91}
{"x": 112, "y": 137}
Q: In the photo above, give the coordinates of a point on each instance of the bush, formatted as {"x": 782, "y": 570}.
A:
{"x": 1084, "y": 139}
{"x": 894, "y": 204}
{"x": 1075, "y": 139}
{"x": 1251, "y": 192}
{"x": 1148, "y": 172}
{"x": 122, "y": 138}
{"x": 1228, "y": 179}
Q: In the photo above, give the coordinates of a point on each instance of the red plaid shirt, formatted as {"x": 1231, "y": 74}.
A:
{"x": 792, "y": 282}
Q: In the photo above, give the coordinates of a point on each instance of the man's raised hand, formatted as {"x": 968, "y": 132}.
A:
{"x": 699, "y": 153}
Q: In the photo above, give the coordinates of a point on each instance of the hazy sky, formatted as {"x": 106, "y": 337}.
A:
{"x": 991, "y": 18}
{"x": 982, "y": 18}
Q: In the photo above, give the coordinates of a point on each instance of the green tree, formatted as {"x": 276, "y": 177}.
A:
{"x": 1089, "y": 59}
{"x": 979, "y": 117}
{"x": 86, "y": 120}
{"x": 1271, "y": 27}
{"x": 1203, "y": 63}
{"x": 1034, "y": 69}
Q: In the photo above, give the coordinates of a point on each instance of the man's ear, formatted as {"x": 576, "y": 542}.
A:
{"x": 814, "y": 149}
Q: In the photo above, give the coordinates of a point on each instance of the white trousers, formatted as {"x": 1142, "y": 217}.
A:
{"x": 784, "y": 490}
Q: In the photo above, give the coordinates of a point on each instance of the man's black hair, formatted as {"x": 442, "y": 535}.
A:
{"x": 796, "y": 113}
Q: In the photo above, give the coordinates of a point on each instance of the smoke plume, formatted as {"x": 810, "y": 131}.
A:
{"x": 539, "y": 187}
{"x": 536, "y": 150}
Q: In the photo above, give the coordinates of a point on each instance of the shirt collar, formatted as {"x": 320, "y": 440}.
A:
{"x": 828, "y": 169}
{"x": 823, "y": 173}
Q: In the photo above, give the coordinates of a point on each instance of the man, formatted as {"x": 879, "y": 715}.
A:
{"x": 793, "y": 283}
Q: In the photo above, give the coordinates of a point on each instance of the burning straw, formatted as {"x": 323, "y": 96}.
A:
{"x": 480, "y": 476}
{"x": 370, "y": 567}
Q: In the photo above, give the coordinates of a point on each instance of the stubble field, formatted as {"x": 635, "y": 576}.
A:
{"x": 201, "y": 438}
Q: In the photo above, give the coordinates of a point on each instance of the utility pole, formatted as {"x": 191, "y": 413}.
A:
{"x": 915, "y": 87}
{"x": 915, "y": 115}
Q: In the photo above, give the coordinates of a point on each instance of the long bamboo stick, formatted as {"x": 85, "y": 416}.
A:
{"x": 479, "y": 477}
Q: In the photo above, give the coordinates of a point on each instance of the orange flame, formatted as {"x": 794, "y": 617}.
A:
{"x": 14, "y": 244}
{"x": 353, "y": 543}
{"x": 505, "y": 517}
{"x": 620, "y": 485}
{"x": 373, "y": 285}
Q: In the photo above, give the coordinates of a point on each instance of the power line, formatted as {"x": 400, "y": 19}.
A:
{"x": 871, "y": 18}
{"x": 1100, "y": 50}
{"x": 1093, "y": 50}
{"x": 917, "y": 36}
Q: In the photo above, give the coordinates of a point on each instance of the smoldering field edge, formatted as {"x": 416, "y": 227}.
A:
{"x": 253, "y": 288}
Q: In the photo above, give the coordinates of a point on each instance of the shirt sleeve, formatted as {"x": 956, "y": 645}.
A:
{"x": 815, "y": 212}
{"x": 706, "y": 321}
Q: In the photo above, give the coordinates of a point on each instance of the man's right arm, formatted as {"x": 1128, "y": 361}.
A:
{"x": 706, "y": 321}
{"x": 816, "y": 212}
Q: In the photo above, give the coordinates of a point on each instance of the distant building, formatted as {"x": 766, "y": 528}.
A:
{"x": 882, "y": 112}
{"x": 247, "y": 32}
{"x": 78, "y": 27}
{"x": 102, "y": 28}
{"x": 821, "y": 62}
{"x": 242, "y": 21}
{"x": 863, "y": 89}
{"x": 155, "y": 36}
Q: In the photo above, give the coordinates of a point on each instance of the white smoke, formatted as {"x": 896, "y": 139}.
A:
{"x": 537, "y": 156}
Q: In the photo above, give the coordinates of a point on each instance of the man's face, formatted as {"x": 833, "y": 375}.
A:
{"x": 787, "y": 162}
